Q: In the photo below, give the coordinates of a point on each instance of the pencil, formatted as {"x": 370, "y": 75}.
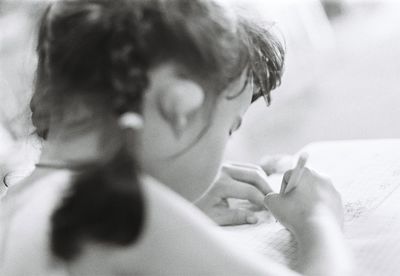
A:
{"x": 296, "y": 175}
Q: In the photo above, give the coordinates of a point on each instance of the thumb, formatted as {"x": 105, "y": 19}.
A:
{"x": 272, "y": 201}
{"x": 236, "y": 217}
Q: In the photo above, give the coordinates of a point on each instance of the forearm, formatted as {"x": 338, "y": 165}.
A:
{"x": 322, "y": 249}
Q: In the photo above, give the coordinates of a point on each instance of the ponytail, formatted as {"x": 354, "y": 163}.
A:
{"x": 102, "y": 56}
{"x": 105, "y": 204}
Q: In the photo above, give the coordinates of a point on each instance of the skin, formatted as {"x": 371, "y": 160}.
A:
{"x": 196, "y": 169}
{"x": 310, "y": 211}
{"x": 235, "y": 181}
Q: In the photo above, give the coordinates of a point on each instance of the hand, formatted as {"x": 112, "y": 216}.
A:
{"x": 313, "y": 212}
{"x": 314, "y": 198}
{"x": 240, "y": 181}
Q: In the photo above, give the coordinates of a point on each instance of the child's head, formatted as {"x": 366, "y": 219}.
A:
{"x": 106, "y": 49}
{"x": 187, "y": 66}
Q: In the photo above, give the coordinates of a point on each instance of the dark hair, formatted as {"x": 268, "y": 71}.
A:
{"x": 266, "y": 56}
{"x": 103, "y": 49}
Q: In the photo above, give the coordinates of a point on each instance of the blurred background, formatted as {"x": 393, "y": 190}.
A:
{"x": 341, "y": 81}
{"x": 341, "y": 78}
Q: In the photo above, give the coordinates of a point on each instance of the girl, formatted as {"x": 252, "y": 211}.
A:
{"x": 137, "y": 100}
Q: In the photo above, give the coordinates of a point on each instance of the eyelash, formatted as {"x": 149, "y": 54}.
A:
{"x": 256, "y": 96}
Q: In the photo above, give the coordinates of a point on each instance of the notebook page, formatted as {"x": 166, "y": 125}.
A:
{"x": 367, "y": 174}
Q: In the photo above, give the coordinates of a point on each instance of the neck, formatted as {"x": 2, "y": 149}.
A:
{"x": 70, "y": 147}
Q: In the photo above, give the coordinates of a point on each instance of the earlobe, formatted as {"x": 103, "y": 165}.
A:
{"x": 180, "y": 99}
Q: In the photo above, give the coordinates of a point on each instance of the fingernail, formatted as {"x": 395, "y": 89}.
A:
{"x": 252, "y": 219}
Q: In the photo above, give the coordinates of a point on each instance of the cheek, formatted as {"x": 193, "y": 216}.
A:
{"x": 211, "y": 154}
{"x": 205, "y": 160}
{"x": 209, "y": 162}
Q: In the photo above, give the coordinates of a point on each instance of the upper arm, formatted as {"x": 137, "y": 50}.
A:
{"x": 182, "y": 240}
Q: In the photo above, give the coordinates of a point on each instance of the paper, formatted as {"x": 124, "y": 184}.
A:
{"x": 367, "y": 174}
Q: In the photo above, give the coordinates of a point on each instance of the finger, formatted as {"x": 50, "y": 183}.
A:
{"x": 283, "y": 187}
{"x": 287, "y": 175}
{"x": 280, "y": 208}
{"x": 240, "y": 190}
{"x": 245, "y": 165}
{"x": 236, "y": 217}
{"x": 251, "y": 175}
{"x": 273, "y": 202}
{"x": 285, "y": 181}
{"x": 294, "y": 180}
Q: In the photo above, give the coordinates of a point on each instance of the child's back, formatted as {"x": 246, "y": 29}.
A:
{"x": 178, "y": 239}
{"x": 25, "y": 225}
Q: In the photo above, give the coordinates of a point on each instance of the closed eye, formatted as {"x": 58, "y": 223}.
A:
{"x": 236, "y": 126}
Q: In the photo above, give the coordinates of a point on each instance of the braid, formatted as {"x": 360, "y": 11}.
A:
{"x": 129, "y": 63}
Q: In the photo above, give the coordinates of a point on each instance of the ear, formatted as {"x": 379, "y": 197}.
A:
{"x": 180, "y": 99}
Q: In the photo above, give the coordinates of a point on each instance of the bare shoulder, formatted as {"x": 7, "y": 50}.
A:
{"x": 25, "y": 220}
{"x": 177, "y": 239}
